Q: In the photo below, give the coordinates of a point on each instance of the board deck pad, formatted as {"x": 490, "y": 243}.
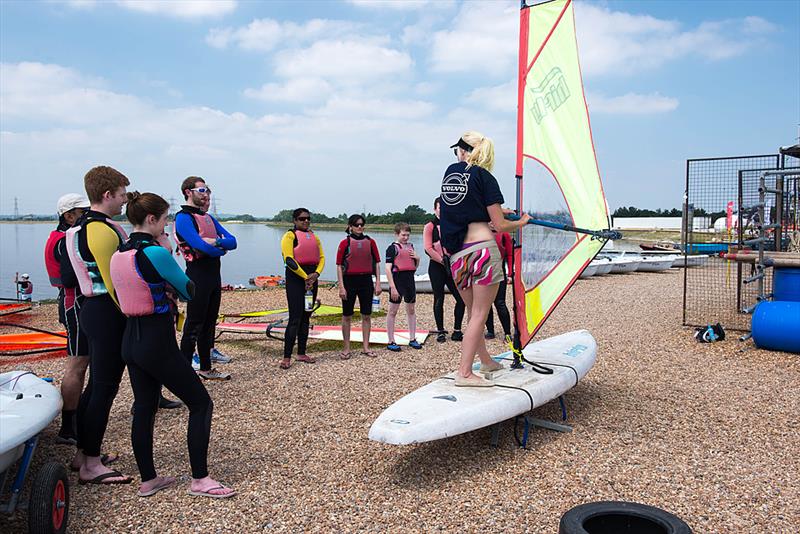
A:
{"x": 441, "y": 409}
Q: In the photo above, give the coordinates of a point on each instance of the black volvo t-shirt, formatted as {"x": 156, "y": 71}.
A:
{"x": 465, "y": 195}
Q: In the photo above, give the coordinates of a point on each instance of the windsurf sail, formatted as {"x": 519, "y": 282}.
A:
{"x": 323, "y": 310}
{"x": 9, "y": 308}
{"x": 558, "y": 179}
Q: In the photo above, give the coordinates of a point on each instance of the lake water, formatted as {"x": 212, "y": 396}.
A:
{"x": 258, "y": 253}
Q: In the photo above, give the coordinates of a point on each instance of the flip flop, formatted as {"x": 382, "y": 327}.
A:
{"x": 285, "y": 364}
{"x": 344, "y": 355}
{"x": 306, "y": 359}
{"x": 168, "y": 483}
{"x": 105, "y": 459}
{"x": 213, "y": 495}
{"x": 99, "y": 479}
{"x": 370, "y": 353}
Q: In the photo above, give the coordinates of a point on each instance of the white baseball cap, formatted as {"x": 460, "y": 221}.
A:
{"x": 71, "y": 201}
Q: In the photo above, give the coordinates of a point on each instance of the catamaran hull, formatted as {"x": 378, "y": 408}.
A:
{"x": 422, "y": 283}
{"x": 655, "y": 264}
{"x": 27, "y": 405}
{"x": 622, "y": 266}
{"x": 590, "y": 271}
{"x": 441, "y": 410}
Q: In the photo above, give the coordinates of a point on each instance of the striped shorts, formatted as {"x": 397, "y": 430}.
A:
{"x": 478, "y": 264}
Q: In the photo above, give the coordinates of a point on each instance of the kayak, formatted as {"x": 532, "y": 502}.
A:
{"x": 27, "y": 405}
{"x": 267, "y": 281}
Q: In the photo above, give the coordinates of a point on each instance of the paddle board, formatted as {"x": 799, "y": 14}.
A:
{"x": 441, "y": 410}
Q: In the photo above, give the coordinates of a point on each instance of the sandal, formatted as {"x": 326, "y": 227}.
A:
{"x": 306, "y": 359}
{"x": 207, "y": 493}
{"x": 285, "y": 363}
{"x": 105, "y": 459}
{"x": 344, "y": 355}
{"x": 167, "y": 482}
{"x": 370, "y": 353}
{"x": 101, "y": 479}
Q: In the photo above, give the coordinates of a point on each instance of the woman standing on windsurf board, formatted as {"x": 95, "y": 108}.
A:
{"x": 471, "y": 198}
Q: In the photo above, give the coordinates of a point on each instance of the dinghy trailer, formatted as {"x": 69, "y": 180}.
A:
{"x": 28, "y": 404}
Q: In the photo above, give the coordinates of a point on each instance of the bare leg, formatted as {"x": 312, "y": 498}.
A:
{"x": 72, "y": 383}
{"x": 478, "y": 299}
{"x": 412, "y": 320}
{"x": 366, "y": 325}
{"x": 390, "y": 319}
{"x": 346, "y": 321}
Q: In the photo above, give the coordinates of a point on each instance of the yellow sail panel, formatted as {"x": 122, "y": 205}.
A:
{"x": 556, "y": 165}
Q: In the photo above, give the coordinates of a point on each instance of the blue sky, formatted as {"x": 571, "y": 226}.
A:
{"x": 340, "y": 106}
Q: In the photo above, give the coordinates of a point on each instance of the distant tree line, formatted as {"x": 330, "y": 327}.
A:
{"x": 413, "y": 214}
{"x": 630, "y": 211}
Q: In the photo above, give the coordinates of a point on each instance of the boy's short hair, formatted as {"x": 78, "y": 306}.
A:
{"x": 401, "y": 227}
{"x": 190, "y": 183}
{"x": 101, "y": 179}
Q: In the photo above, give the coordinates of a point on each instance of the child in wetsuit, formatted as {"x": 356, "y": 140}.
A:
{"x": 401, "y": 263}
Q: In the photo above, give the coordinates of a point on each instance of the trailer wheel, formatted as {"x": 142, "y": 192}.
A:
{"x": 618, "y": 517}
{"x": 48, "y": 508}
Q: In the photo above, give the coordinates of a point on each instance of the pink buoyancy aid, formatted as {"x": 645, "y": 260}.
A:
{"x": 402, "y": 259}
{"x": 358, "y": 256}
{"x": 306, "y": 251}
{"x": 205, "y": 228}
{"x": 136, "y": 296}
{"x": 88, "y": 274}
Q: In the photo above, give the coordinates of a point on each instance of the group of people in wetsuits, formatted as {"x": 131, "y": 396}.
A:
{"x": 118, "y": 299}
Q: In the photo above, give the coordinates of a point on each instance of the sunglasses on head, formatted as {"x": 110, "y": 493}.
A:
{"x": 304, "y": 219}
{"x": 201, "y": 190}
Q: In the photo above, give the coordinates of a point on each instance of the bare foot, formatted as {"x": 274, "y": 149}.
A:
{"x": 153, "y": 486}
{"x": 208, "y": 487}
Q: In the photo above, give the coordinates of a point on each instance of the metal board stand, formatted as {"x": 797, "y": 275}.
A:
{"x": 528, "y": 422}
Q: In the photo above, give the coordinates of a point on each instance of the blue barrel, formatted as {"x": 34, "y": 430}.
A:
{"x": 786, "y": 283}
{"x": 776, "y": 326}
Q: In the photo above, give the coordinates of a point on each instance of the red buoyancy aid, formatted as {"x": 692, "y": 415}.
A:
{"x": 136, "y": 296}
{"x": 306, "y": 250}
{"x": 402, "y": 259}
{"x": 50, "y": 262}
{"x": 88, "y": 274}
{"x": 205, "y": 228}
{"x": 358, "y": 256}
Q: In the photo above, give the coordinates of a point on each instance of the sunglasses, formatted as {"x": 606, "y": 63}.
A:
{"x": 359, "y": 225}
{"x": 201, "y": 190}
{"x": 303, "y": 219}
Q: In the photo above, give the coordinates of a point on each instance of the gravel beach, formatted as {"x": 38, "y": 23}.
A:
{"x": 708, "y": 432}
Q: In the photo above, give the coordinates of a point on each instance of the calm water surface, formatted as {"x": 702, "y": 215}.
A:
{"x": 258, "y": 253}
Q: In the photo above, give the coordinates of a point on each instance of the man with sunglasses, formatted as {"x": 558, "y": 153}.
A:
{"x": 202, "y": 241}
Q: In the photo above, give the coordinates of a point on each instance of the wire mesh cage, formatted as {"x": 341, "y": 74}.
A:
{"x": 720, "y": 215}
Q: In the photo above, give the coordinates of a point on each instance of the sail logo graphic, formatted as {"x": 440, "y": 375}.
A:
{"x": 549, "y": 95}
{"x": 454, "y": 188}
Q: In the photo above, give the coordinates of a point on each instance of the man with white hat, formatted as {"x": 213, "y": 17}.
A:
{"x": 70, "y": 207}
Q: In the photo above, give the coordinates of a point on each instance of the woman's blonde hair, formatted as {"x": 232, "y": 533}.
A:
{"x": 482, "y": 153}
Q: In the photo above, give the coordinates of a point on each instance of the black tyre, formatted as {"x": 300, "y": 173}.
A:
{"x": 618, "y": 517}
{"x": 48, "y": 508}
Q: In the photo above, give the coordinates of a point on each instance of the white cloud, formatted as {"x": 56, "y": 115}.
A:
{"x": 264, "y": 35}
{"x": 362, "y": 108}
{"x": 632, "y": 104}
{"x": 402, "y": 5}
{"x": 483, "y": 38}
{"x": 175, "y": 8}
{"x": 349, "y": 61}
{"x": 614, "y": 42}
{"x": 502, "y": 98}
{"x": 294, "y": 90}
